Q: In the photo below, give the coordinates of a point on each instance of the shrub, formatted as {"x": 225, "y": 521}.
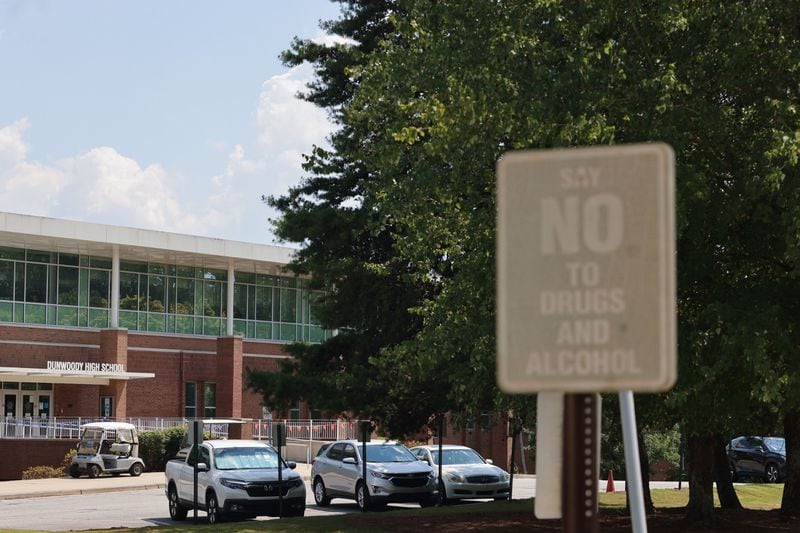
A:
{"x": 42, "y": 472}
{"x": 67, "y": 461}
{"x": 158, "y": 446}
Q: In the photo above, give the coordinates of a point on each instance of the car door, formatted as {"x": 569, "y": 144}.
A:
{"x": 752, "y": 461}
{"x": 186, "y": 481}
{"x": 332, "y": 467}
{"x": 349, "y": 472}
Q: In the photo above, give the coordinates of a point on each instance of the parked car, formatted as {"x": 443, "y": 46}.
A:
{"x": 107, "y": 447}
{"x": 759, "y": 457}
{"x": 465, "y": 474}
{"x": 393, "y": 475}
{"x": 236, "y": 479}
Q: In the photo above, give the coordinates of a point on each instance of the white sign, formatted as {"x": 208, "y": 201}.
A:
{"x": 85, "y": 366}
{"x": 586, "y": 270}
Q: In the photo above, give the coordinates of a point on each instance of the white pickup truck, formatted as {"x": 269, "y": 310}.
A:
{"x": 235, "y": 479}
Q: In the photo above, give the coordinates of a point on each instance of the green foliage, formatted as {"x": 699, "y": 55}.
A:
{"x": 158, "y": 446}
{"x": 67, "y": 461}
{"x": 42, "y": 472}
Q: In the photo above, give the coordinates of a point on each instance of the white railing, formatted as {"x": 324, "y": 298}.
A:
{"x": 69, "y": 427}
{"x": 312, "y": 429}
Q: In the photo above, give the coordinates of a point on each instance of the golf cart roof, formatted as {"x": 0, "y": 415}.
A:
{"x": 109, "y": 425}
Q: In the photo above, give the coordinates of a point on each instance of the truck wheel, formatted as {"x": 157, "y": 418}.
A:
{"x": 319, "y": 493}
{"x": 215, "y": 514}
{"x": 176, "y": 511}
{"x": 771, "y": 473}
{"x": 136, "y": 469}
{"x": 93, "y": 470}
{"x": 362, "y": 497}
{"x": 75, "y": 471}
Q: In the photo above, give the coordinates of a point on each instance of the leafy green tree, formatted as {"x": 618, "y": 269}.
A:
{"x": 397, "y": 219}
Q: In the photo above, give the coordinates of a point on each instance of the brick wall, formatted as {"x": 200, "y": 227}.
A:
{"x": 31, "y": 453}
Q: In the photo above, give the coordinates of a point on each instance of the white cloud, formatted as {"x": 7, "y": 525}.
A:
{"x": 104, "y": 185}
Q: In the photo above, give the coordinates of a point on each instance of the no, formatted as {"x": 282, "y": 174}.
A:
{"x": 567, "y": 225}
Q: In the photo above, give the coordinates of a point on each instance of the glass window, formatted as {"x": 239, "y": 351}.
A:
{"x": 185, "y": 296}
{"x": 349, "y": 451}
{"x": 294, "y": 412}
{"x": 240, "y": 301}
{"x": 288, "y": 305}
{"x": 35, "y": 283}
{"x": 209, "y": 399}
{"x": 99, "y": 288}
{"x": 190, "y": 391}
{"x": 67, "y": 285}
{"x": 38, "y": 257}
{"x": 336, "y": 452}
{"x": 6, "y": 280}
{"x": 68, "y": 259}
{"x": 264, "y": 303}
{"x": 129, "y": 291}
{"x": 212, "y": 298}
{"x": 12, "y": 253}
{"x": 156, "y": 294}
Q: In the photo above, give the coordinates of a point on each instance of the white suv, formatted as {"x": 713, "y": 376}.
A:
{"x": 393, "y": 475}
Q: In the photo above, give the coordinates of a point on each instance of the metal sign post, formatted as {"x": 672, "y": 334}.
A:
{"x": 197, "y": 440}
{"x": 442, "y": 493}
{"x": 278, "y": 440}
{"x": 366, "y": 431}
{"x": 586, "y": 287}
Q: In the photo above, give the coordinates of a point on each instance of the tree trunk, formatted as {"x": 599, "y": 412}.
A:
{"x": 722, "y": 475}
{"x": 790, "y": 505}
{"x": 701, "y": 480}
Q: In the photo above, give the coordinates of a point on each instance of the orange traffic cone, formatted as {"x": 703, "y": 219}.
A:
{"x": 610, "y": 484}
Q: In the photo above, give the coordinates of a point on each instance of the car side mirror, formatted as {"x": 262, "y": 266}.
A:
{"x": 489, "y": 461}
{"x": 349, "y": 461}
{"x": 291, "y": 464}
{"x": 202, "y": 467}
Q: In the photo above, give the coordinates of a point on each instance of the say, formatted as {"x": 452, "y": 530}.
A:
{"x": 569, "y": 223}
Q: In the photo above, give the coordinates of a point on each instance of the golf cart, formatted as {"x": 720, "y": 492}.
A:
{"x": 111, "y": 447}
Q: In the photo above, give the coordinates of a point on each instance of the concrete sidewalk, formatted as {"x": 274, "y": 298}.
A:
{"x": 38, "y": 488}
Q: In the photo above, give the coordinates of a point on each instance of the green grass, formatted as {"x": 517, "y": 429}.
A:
{"x": 755, "y": 496}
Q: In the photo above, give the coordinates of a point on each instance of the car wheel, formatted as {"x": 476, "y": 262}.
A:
{"x": 75, "y": 471}
{"x": 443, "y": 494}
{"x": 771, "y": 473}
{"x": 93, "y": 471}
{"x": 300, "y": 511}
{"x": 136, "y": 469}
{"x": 215, "y": 514}
{"x": 362, "y": 497}
{"x": 176, "y": 511}
{"x": 319, "y": 493}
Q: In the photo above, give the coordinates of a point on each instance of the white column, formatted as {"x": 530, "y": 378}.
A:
{"x": 230, "y": 298}
{"x": 115, "y": 286}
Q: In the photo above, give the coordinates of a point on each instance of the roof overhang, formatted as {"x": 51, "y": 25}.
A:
{"x": 72, "y": 377}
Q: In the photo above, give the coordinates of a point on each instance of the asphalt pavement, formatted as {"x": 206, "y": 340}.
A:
{"x": 36, "y": 488}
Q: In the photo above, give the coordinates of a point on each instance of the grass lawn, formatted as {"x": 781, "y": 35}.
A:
{"x": 752, "y": 496}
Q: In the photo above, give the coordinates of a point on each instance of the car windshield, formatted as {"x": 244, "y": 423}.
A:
{"x": 458, "y": 457}
{"x": 393, "y": 453}
{"x": 776, "y": 444}
{"x": 245, "y": 458}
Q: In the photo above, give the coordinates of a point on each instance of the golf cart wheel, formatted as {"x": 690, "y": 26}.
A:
{"x": 93, "y": 471}
{"x": 75, "y": 471}
{"x": 136, "y": 469}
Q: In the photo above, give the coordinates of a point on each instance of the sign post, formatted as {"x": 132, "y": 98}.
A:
{"x": 586, "y": 279}
{"x": 279, "y": 440}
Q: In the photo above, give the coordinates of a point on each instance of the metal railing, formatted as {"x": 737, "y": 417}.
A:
{"x": 311, "y": 429}
{"x": 69, "y": 427}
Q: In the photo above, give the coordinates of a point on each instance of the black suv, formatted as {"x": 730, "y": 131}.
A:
{"x": 760, "y": 457}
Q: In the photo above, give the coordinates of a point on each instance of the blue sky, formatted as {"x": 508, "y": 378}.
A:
{"x": 173, "y": 115}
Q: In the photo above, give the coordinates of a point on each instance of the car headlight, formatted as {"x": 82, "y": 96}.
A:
{"x": 457, "y": 478}
{"x": 295, "y": 482}
{"x": 234, "y": 483}
{"x": 505, "y": 476}
{"x": 379, "y": 475}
